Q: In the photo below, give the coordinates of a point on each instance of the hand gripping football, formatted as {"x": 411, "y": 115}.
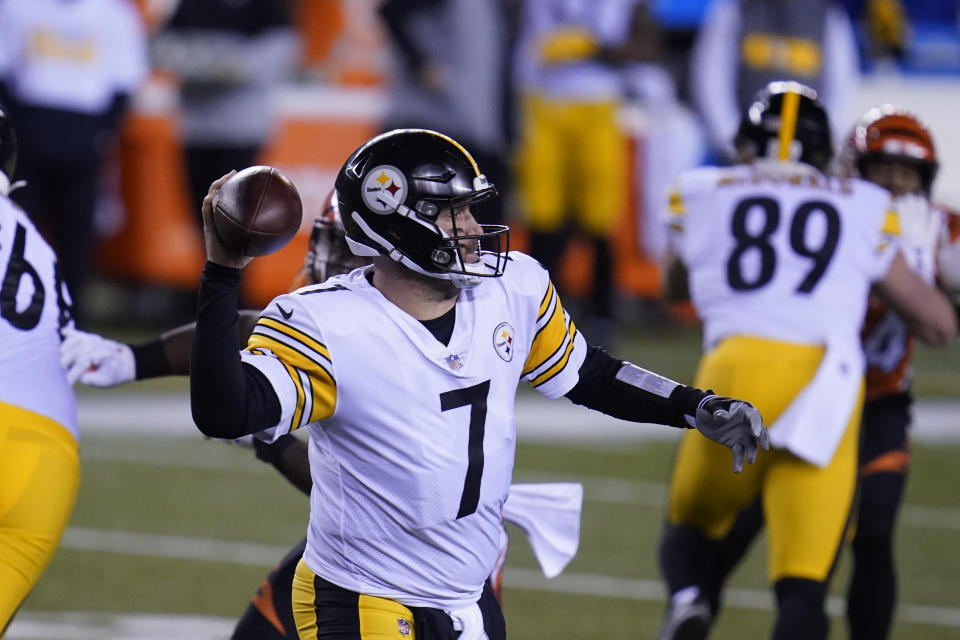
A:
{"x": 257, "y": 211}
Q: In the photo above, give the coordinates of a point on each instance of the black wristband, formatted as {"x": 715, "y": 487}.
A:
{"x": 687, "y": 400}
{"x": 150, "y": 359}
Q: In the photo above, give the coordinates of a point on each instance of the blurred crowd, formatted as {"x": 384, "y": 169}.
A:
{"x": 580, "y": 112}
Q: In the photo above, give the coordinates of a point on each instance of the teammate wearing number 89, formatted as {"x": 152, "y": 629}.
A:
{"x": 39, "y": 466}
{"x": 405, "y": 375}
{"x": 779, "y": 259}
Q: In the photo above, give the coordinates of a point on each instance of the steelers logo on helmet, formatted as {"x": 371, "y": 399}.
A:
{"x": 384, "y": 189}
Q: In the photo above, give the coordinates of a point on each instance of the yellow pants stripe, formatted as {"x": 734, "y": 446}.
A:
{"x": 376, "y": 618}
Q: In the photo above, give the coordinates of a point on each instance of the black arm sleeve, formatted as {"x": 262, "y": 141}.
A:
{"x": 228, "y": 399}
{"x": 599, "y": 389}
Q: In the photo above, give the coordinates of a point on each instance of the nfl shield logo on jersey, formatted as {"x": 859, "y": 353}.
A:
{"x": 403, "y": 626}
{"x": 453, "y": 361}
{"x": 503, "y": 341}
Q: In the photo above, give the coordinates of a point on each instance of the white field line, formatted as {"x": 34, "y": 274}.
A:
{"x": 208, "y": 549}
{"x": 653, "y": 591}
{"x": 596, "y": 489}
{"x": 654, "y": 495}
{"x": 540, "y": 420}
{"x": 75, "y": 625}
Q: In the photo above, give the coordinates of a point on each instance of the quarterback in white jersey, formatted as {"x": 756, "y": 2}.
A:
{"x": 549, "y": 513}
{"x": 405, "y": 374}
{"x": 779, "y": 259}
{"x": 39, "y": 466}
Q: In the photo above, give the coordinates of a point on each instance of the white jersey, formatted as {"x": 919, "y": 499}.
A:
{"x": 606, "y": 22}
{"x": 768, "y": 247}
{"x": 33, "y": 308}
{"x": 780, "y": 251}
{"x": 412, "y": 441}
{"x": 72, "y": 55}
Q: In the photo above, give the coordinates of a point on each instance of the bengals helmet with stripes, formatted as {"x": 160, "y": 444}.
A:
{"x": 890, "y": 133}
{"x": 786, "y": 121}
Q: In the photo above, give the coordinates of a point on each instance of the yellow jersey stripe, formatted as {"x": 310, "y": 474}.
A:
{"x": 548, "y": 340}
{"x": 289, "y": 355}
{"x": 324, "y": 398}
{"x": 295, "y": 334}
{"x": 891, "y": 223}
{"x": 301, "y": 396}
{"x": 561, "y": 364}
{"x": 788, "y": 123}
{"x": 323, "y": 387}
{"x": 545, "y": 303}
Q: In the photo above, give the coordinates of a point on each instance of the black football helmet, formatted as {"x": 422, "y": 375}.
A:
{"x": 786, "y": 121}
{"x": 328, "y": 254}
{"x": 8, "y": 149}
{"x": 391, "y": 191}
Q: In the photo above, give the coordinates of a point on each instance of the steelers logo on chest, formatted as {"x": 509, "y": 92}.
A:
{"x": 503, "y": 341}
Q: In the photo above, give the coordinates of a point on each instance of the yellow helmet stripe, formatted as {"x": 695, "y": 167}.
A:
{"x": 476, "y": 169}
{"x": 788, "y": 123}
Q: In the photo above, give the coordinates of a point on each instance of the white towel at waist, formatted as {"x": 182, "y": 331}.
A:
{"x": 469, "y": 622}
{"x": 813, "y": 425}
{"x": 549, "y": 513}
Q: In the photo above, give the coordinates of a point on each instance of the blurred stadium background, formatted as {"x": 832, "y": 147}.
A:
{"x": 171, "y": 534}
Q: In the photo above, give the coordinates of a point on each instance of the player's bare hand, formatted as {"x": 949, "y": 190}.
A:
{"x": 217, "y": 251}
{"x": 734, "y": 424}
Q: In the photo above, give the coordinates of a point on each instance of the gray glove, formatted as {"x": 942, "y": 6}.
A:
{"x": 734, "y": 424}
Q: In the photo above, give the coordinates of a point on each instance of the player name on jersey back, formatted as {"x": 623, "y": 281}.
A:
{"x": 769, "y": 247}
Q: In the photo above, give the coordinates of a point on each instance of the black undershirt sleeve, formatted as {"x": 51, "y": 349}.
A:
{"x": 599, "y": 389}
{"x": 228, "y": 398}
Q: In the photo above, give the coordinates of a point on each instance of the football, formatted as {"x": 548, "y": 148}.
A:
{"x": 257, "y": 211}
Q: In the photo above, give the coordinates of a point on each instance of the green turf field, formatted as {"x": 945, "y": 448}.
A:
{"x": 192, "y": 502}
{"x": 186, "y": 526}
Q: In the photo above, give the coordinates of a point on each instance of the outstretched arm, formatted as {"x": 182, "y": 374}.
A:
{"x": 626, "y": 391}
{"x": 94, "y": 360}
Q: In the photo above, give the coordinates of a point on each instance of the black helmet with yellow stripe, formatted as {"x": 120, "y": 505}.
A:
{"x": 391, "y": 192}
{"x": 786, "y": 121}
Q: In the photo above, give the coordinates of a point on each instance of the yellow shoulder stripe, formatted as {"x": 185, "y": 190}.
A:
{"x": 295, "y": 334}
{"x": 545, "y": 303}
{"x": 560, "y": 364}
{"x": 548, "y": 340}
{"x": 323, "y": 388}
{"x": 301, "y": 396}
